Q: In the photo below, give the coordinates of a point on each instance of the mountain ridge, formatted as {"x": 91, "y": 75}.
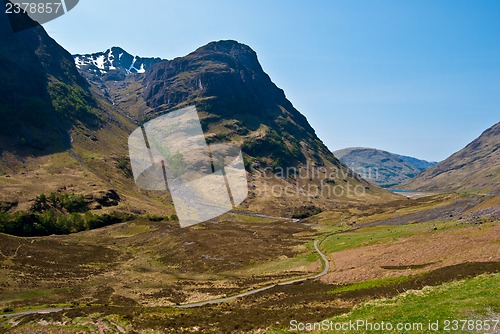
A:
{"x": 237, "y": 102}
{"x": 113, "y": 64}
{"x": 41, "y": 94}
{"x": 381, "y": 167}
{"x": 475, "y": 168}
{"x": 58, "y": 135}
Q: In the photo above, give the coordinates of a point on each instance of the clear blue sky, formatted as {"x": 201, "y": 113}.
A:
{"x": 419, "y": 78}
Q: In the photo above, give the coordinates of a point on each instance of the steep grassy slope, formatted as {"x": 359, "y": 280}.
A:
{"x": 475, "y": 168}
{"x": 58, "y": 133}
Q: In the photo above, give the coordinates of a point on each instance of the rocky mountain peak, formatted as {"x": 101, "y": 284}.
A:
{"x": 241, "y": 54}
{"x": 113, "y": 64}
{"x": 225, "y": 69}
{"x": 225, "y": 46}
{"x": 226, "y": 82}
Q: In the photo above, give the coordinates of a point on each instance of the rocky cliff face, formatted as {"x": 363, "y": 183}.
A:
{"x": 225, "y": 69}
{"x": 239, "y": 101}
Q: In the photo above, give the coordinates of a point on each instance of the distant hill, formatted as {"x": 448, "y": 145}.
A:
{"x": 419, "y": 164}
{"x": 383, "y": 168}
{"x": 476, "y": 168}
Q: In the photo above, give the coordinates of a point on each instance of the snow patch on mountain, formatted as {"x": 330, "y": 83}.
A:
{"x": 114, "y": 59}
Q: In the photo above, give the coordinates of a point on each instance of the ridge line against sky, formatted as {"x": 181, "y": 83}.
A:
{"x": 417, "y": 78}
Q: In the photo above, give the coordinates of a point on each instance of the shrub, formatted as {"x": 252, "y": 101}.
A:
{"x": 29, "y": 224}
{"x": 69, "y": 202}
{"x": 306, "y": 211}
{"x": 123, "y": 163}
{"x": 40, "y": 204}
{"x": 73, "y": 203}
{"x": 155, "y": 218}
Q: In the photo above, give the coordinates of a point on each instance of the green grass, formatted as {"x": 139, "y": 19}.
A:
{"x": 329, "y": 229}
{"x": 6, "y": 180}
{"x": 277, "y": 266}
{"x": 377, "y": 283}
{"x": 280, "y": 266}
{"x": 31, "y": 294}
{"x": 475, "y": 298}
{"x": 130, "y": 230}
{"x": 247, "y": 219}
{"x": 470, "y": 299}
{"x": 372, "y": 235}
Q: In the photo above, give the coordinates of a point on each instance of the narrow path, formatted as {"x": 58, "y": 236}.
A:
{"x": 325, "y": 265}
{"x": 324, "y": 260}
{"x": 42, "y": 311}
{"x": 326, "y": 268}
{"x": 260, "y": 215}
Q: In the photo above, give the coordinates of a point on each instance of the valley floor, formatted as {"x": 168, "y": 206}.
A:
{"x": 414, "y": 260}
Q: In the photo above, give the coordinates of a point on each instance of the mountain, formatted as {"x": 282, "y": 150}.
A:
{"x": 41, "y": 91}
{"x": 475, "y": 168}
{"x": 225, "y": 80}
{"x": 419, "y": 164}
{"x": 383, "y": 168}
{"x": 112, "y": 64}
{"x": 237, "y": 102}
{"x": 57, "y": 132}
{"x": 66, "y": 121}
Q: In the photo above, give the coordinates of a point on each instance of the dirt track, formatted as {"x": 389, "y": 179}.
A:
{"x": 326, "y": 268}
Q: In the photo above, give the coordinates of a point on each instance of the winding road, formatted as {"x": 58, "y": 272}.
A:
{"x": 41, "y": 311}
{"x": 325, "y": 265}
{"x": 326, "y": 268}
